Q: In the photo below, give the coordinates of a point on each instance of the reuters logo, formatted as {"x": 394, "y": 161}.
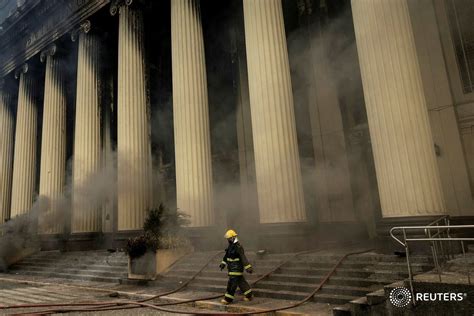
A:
{"x": 400, "y": 297}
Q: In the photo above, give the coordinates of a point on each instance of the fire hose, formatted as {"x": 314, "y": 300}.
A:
{"x": 128, "y": 304}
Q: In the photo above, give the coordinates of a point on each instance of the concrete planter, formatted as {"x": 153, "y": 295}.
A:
{"x": 148, "y": 266}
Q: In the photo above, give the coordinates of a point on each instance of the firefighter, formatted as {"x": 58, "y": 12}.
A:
{"x": 236, "y": 263}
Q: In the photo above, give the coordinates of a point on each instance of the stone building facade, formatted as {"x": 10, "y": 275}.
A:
{"x": 282, "y": 118}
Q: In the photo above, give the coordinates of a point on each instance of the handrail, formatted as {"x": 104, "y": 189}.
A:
{"x": 450, "y": 227}
{"x": 436, "y": 240}
{"x": 434, "y": 227}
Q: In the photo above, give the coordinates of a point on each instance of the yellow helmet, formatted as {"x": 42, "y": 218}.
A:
{"x": 230, "y": 233}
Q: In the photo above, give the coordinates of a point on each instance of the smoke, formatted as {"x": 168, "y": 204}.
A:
{"x": 18, "y": 235}
{"x": 331, "y": 119}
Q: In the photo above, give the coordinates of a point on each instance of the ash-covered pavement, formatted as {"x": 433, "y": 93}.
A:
{"x": 13, "y": 293}
{"x": 15, "y": 290}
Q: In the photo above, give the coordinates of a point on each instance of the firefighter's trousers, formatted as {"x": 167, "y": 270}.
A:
{"x": 233, "y": 283}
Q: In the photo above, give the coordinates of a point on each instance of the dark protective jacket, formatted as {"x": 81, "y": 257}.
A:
{"x": 236, "y": 260}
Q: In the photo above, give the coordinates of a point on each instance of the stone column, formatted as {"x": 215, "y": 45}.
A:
{"x": 133, "y": 123}
{"x": 53, "y": 144}
{"x": 405, "y": 162}
{"x": 428, "y": 18}
{"x": 279, "y": 185}
{"x": 24, "y": 164}
{"x": 191, "y": 114}
{"x": 87, "y": 136}
{"x": 7, "y": 129}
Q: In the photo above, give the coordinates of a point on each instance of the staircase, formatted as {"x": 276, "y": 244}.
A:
{"x": 96, "y": 266}
{"x": 356, "y": 277}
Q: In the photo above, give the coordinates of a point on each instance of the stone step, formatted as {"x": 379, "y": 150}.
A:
{"x": 281, "y": 294}
{"x": 415, "y": 266}
{"x": 83, "y": 277}
{"x": 25, "y": 265}
{"x": 308, "y": 288}
{"x": 356, "y": 291}
{"x": 301, "y": 276}
{"x": 216, "y": 273}
{"x": 389, "y": 258}
{"x": 286, "y": 286}
{"x": 221, "y": 281}
{"x": 219, "y": 284}
{"x": 183, "y": 264}
{"x": 76, "y": 270}
{"x": 376, "y": 297}
{"x": 388, "y": 287}
{"x": 317, "y": 258}
{"x": 350, "y": 283}
{"x": 69, "y": 255}
{"x": 87, "y": 254}
{"x": 328, "y": 265}
{"x": 388, "y": 274}
{"x": 279, "y": 277}
{"x": 324, "y": 271}
{"x": 359, "y": 306}
{"x": 342, "y": 310}
{"x": 360, "y": 282}
{"x": 74, "y": 261}
{"x": 333, "y": 298}
{"x": 294, "y": 295}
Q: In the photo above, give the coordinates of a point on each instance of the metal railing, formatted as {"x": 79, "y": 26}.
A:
{"x": 438, "y": 234}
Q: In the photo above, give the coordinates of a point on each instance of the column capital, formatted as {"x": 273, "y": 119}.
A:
{"x": 22, "y": 69}
{"x": 117, "y": 4}
{"x": 305, "y": 7}
{"x": 84, "y": 27}
{"x": 51, "y": 50}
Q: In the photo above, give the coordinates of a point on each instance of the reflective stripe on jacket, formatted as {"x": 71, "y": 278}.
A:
{"x": 235, "y": 259}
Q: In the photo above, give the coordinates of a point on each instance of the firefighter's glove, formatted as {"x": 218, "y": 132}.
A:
{"x": 250, "y": 270}
{"x": 222, "y": 266}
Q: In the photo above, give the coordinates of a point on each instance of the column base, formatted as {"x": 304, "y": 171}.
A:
{"x": 119, "y": 239}
{"x": 206, "y": 238}
{"x": 53, "y": 241}
{"x": 85, "y": 241}
{"x": 293, "y": 237}
{"x": 462, "y": 220}
{"x": 202, "y": 238}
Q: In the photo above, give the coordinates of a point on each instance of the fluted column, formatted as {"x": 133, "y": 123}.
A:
{"x": 133, "y": 145}
{"x": 24, "y": 164}
{"x": 7, "y": 129}
{"x": 53, "y": 144}
{"x": 191, "y": 114}
{"x": 87, "y": 136}
{"x": 279, "y": 185}
{"x": 407, "y": 174}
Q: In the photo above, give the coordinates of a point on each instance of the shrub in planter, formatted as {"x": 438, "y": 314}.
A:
{"x": 160, "y": 244}
{"x": 138, "y": 246}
